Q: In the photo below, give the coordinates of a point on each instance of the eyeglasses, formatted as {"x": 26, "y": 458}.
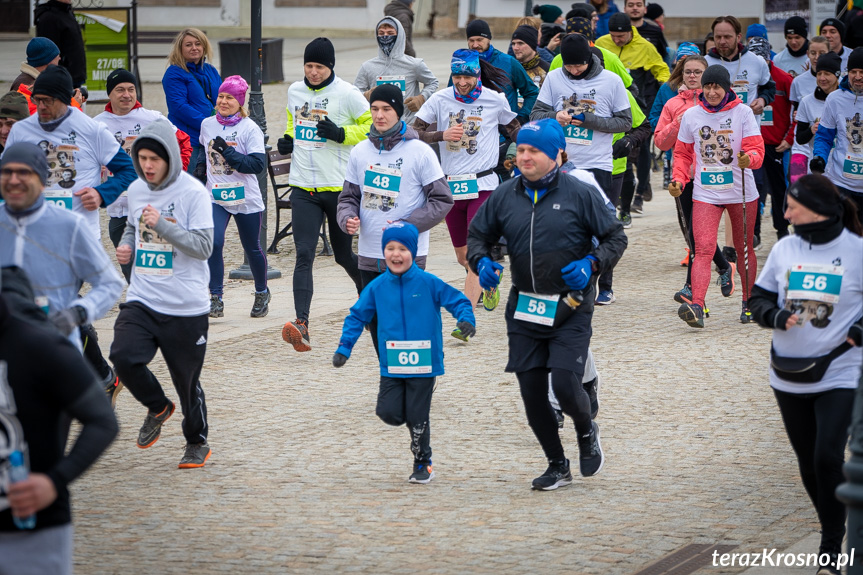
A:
{"x": 693, "y": 72}
{"x": 43, "y": 100}
{"x": 22, "y": 173}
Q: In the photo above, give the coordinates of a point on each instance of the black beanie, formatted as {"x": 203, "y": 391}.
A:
{"x": 654, "y": 11}
{"x": 320, "y": 51}
{"x": 583, "y": 10}
{"x": 575, "y": 50}
{"x": 619, "y": 22}
{"x": 829, "y": 62}
{"x": 391, "y": 94}
{"x": 836, "y": 23}
{"x": 153, "y": 146}
{"x": 796, "y": 25}
{"x": 855, "y": 60}
{"x": 478, "y": 28}
{"x": 55, "y": 82}
{"x": 527, "y": 34}
{"x": 813, "y": 191}
{"x": 718, "y": 75}
{"x": 120, "y": 76}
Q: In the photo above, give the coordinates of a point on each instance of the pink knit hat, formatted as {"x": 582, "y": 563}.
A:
{"x": 236, "y": 87}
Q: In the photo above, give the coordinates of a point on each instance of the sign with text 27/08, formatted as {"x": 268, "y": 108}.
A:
{"x": 106, "y": 41}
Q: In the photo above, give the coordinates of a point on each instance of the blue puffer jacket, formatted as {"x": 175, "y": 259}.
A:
{"x": 408, "y": 309}
{"x": 191, "y": 96}
{"x": 664, "y": 95}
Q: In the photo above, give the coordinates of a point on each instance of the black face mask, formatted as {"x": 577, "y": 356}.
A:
{"x": 387, "y": 43}
{"x": 820, "y": 232}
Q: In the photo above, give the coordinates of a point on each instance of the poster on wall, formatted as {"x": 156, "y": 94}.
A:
{"x": 776, "y": 12}
{"x": 821, "y": 10}
{"x": 106, "y": 41}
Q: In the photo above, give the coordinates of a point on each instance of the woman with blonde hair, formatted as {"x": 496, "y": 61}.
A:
{"x": 191, "y": 86}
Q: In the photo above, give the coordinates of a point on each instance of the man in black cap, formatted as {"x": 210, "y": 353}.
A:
{"x": 793, "y": 59}
{"x": 524, "y": 46}
{"x": 834, "y": 30}
{"x": 13, "y": 108}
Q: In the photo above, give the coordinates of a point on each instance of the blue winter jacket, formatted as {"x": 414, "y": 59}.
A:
{"x": 408, "y": 309}
{"x": 602, "y": 25}
{"x": 826, "y": 137}
{"x": 191, "y": 96}
{"x": 664, "y": 95}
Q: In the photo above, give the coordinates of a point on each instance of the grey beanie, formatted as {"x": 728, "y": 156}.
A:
{"x": 28, "y": 154}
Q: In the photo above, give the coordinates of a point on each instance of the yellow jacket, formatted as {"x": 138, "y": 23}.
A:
{"x": 638, "y": 53}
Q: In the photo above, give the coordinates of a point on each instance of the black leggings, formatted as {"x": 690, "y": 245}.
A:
{"x": 308, "y": 210}
{"x": 90, "y": 341}
{"x": 627, "y": 189}
{"x": 817, "y": 426}
{"x": 570, "y": 395}
{"x": 686, "y": 208}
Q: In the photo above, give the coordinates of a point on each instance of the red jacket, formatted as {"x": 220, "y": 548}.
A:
{"x": 182, "y": 138}
{"x": 782, "y": 128}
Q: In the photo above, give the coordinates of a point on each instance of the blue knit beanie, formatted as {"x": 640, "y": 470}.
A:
{"x": 756, "y": 30}
{"x": 40, "y": 51}
{"x": 404, "y": 233}
{"x": 545, "y": 135}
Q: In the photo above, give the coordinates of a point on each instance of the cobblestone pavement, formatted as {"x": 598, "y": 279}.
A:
{"x": 304, "y": 478}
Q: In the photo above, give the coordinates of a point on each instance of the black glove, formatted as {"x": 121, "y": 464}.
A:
{"x": 621, "y": 148}
{"x": 329, "y": 131}
{"x": 467, "y": 329}
{"x": 339, "y": 360}
{"x": 201, "y": 173}
{"x": 220, "y": 145}
{"x": 855, "y": 332}
{"x": 817, "y": 164}
{"x": 66, "y": 320}
{"x": 285, "y": 145}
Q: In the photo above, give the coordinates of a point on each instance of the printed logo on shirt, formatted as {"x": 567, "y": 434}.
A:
{"x": 314, "y": 112}
{"x": 837, "y": 262}
{"x": 743, "y": 75}
{"x": 61, "y": 164}
{"x": 854, "y": 133}
{"x": 575, "y": 105}
{"x": 149, "y": 235}
{"x": 472, "y": 124}
{"x": 715, "y": 146}
{"x": 70, "y": 139}
{"x": 218, "y": 165}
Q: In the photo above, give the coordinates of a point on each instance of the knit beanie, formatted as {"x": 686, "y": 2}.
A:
{"x": 855, "y": 60}
{"x": 545, "y": 135}
{"x": 236, "y": 87}
{"x": 390, "y": 94}
{"x": 40, "y": 51}
{"x": 575, "y": 50}
{"x": 581, "y": 10}
{"x": 528, "y": 35}
{"x": 619, "y": 22}
{"x": 685, "y": 49}
{"x": 120, "y": 76}
{"x": 654, "y": 11}
{"x": 320, "y": 51}
{"x": 55, "y": 82}
{"x": 830, "y": 62}
{"x": 151, "y": 145}
{"x": 549, "y": 13}
{"x": 28, "y": 154}
{"x": 836, "y": 23}
{"x": 13, "y": 105}
{"x": 718, "y": 75}
{"x": 581, "y": 26}
{"x": 811, "y": 191}
{"x": 756, "y": 30}
{"x": 478, "y": 28}
{"x": 796, "y": 25}
{"x": 404, "y": 233}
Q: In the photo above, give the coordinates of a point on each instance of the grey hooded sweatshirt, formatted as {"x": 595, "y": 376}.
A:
{"x": 197, "y": 244}
{"x": 414, "y": 70}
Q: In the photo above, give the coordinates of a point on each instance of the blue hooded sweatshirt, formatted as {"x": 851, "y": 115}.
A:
{"x": 191, "y": 96}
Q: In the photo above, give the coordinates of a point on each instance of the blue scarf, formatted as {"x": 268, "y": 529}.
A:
{"x": 487, "y": 54}
{"x": 471, "y": 96}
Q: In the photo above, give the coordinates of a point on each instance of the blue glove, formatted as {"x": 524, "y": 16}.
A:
{"x": 486, "y": 269}
{"x": 577, "y": 274}
{"x": 579, "y": 117}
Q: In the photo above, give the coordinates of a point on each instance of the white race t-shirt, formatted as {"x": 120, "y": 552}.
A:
{"x": 125, "y": 129}
{"x": 717, "y": 139}
{"x": 391, "y": 183}
{"x": 825, "y": 283}
{"x": 802, "y": 86}
{"x": 602, "y": 95}
{"x": 163, "y": 278}
{"x": 237, "y": 193}
{"x": 794, "y": 65}
{"x": 76, "y": 152}
{"x": 747, "y": 73}
{"x": 478, "y": 149}
{"x": 843, "y": 112}
{"x": 809, "y": 110}
{"x": 846, "y": 52}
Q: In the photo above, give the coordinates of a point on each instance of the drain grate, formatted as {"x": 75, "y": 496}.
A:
{"x": 686, "y": 560}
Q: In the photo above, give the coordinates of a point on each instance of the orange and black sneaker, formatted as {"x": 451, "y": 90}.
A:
{"x": 685, "y": 261}
{"x": 152, "y": 428}
{"x": 196, "y": 455}
{"x": 423, "y": 472}
{"x": 296, "y": 333}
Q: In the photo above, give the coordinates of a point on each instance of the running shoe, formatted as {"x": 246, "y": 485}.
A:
{"x": 490, "y": 299}
{"x": 746, "y": 315}
{"x": 261, "y": 306}
{"x": 605, "y": 297}
{"x": 647, "y": 193}
{"x": 558, "y": 414}
{"x": 684, "y": 295}
{"x": 592, "y": 389}
{"x": 730, "y": 254}
{"x": 832, "y": 567}
{"x": 685, "y": 261}
{"x": 557, "y": 475}
{"x": 590, "y": 456}
{"x": 756, "y": 243}
{"x": 726, "y": 280}
{"x": 217, "y": 306}
{"x": 637, "y": 204}
{"x": 196, "y": 455}
{"x": 691, "y": 313}
{"x": 456, "y": 333}
{"x": 625, "y": 219}
{"x": 152, "y": 428}
{"x": 113, "y": 386}
{"x": 423, "y": 473}
{"x": 296, "y": 333}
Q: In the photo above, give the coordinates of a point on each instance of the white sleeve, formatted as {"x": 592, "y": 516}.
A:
{"x": 199, "y": 213}
{"x": 352, "y": 174}
{"x": 431, "y": 169}
{"x": 828, "y": 118}
{"x": 255, "y": 138}
{"x": 620, "y": 101}
{"x": 428, "y": 112}
{"x": 750, "y": 124}
{"x": 105, "y": 145}
{"x": 545, "y": 95}
{"x": 685, "y": 133}
{"x": 506, "y": 115}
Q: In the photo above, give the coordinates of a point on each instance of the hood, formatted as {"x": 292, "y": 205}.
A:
{"x": 49, "y": 6}
{"x": 110, "y": 110}
{"x": 162, "y": 132}
{"x": 741, "y": 50}
{"x": 398, "y": 50}
{"x": 595, "y": 69}
{"x": 29, "y": 70}
{"x": 845, "y": 86}
{"x": 389, "y": 142}
{"x": 734, "y": 101}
